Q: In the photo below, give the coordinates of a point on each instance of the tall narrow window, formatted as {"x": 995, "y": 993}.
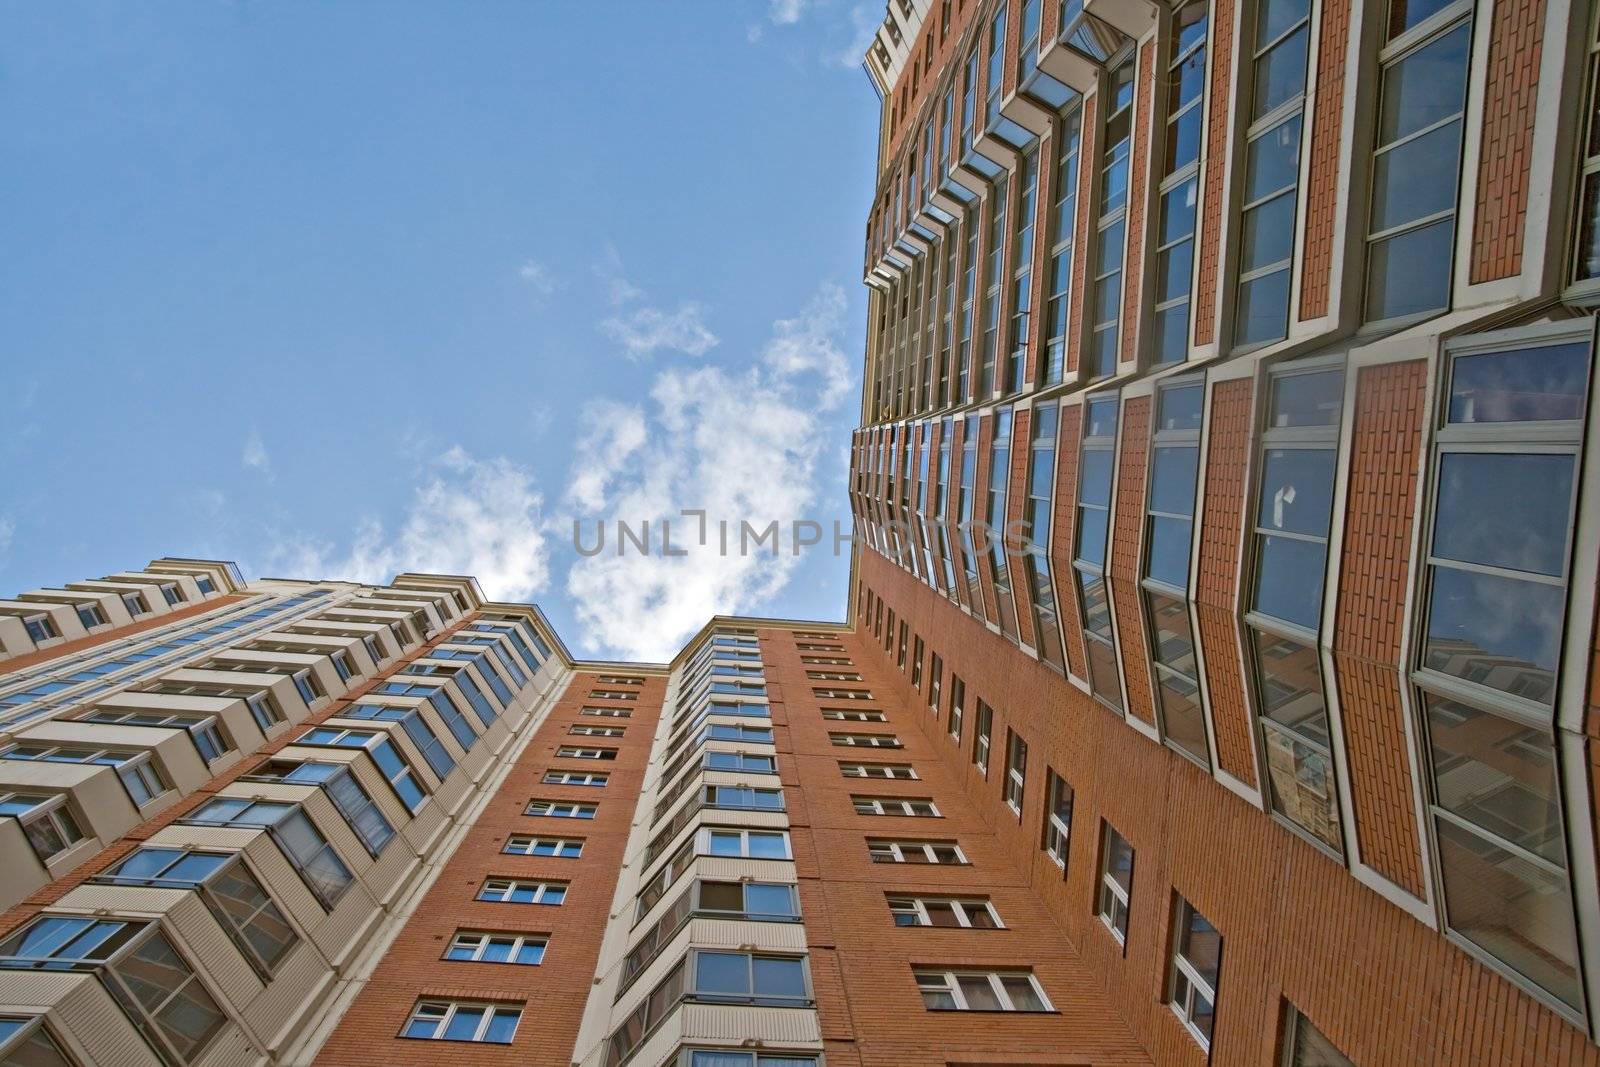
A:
{"x": 969, "y": 100}
{"x": 1036, "y": 516}
{"x": 964, "y": 512}
{"x": 1116, "y": 881}
{"x": 980, "y": 738}
{"x": 994, "y": 275}
{"x": 958, "y": 704}
{"x": 1174, "y": 461}
{"x": 1022, "y": 271}
{"x": 1016, "y": 770}
{"x": 1113, "y": 216}
{"x": 994, "y": 533}
{"x": 1300, "y": 446}
{"x": 1506, "y": 475}
{"x": 1196, "y": 963}
{"x": 1057, "y": 818}
{"x": 1272, "y": 169}
{"x": 969, "y": 295}
{"x": 941, "y": 511}
{"x": 1028, "y": 40}
{"x": 1063, "y": 226}
{"x": 1180, "y": 169}
{"x": 997, "y": 66}
{"x": 1416, "y": 167}
{"x": 1094, "y": 524}
{"x": 1586, "y": 254}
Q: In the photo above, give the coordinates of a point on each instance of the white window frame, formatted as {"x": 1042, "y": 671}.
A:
{"x": 420, "y": 1011}
{"x": 577, "y": 752}
{"x": 866, "y": 740}
{"x": 1182, "y": 1001}
{"x": 897, "y": 851}
{"x": 1057, "y": 834}
{"x": 948, "y": 982}
{"x": 906, "y": 807}
{"x": 887, "y": 771}
{"x": 527, "y": 845}
{"x": 507, "y": 886}
{"x": 1016, "y": 776}
{"x": 554, "y": 809}
{"x": 960, "y": 907}
{"x": 484, "y": 938}
{"x": 1106, "y": 907}
{"x": 594, "y": 779}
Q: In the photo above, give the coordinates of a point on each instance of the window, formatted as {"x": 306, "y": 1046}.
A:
{"x": 941, "y": 852}
{"x": 454, "y": 1020}
{"x": 1180, "y": 170}
{"x": 1022, "y": 271}
{"x": 517, "y": 891}
{"x": 264, "y": 710}
{"x": 316, "y": 861}
{"x": 1036, "y": 517}
{"x": 1064, "y": 223}
{"x": 981, "y": 991}
{"x": 980, "y": 738}
{"x": 1057, "y": 817}
{"x": 27, "y": 1042}
{"x": 561, "y": 809}
{"x": 1107, "y": 287}
{"x": 135, "y": 603}
{"x": 91, "y": 616}
{"x": 1175, "y": 459}
{"x": 596, "y": 731}
{"x": 612, "y": 694}
{"x": 878, "y": 770}
{"x": 1272, "y": 169}
{"x": 229, "y": 890}
{"x": 308, "y": 687}
{"x": 1097, "y": 462}
{"x": 975, "y": 913}
{"x": 1305, "y": 1046}
{"x": 916, "y": 664}
{"x": 1196, "y": 960}
{"x": 742, "y": 797}
{"x": 497, "y": 948}
{"x": 526, "y": 845}
{"x": 1416, "y": 166}
{"x": 724, "y": 1058}
{"x": 1116, "y": 881}
{"x": 995, "y": 555}
{"x": 844, "y": 715}
{"x": 574, "y": 752}
{"x": 866, "y": 740}
{"x": 46, "y": 820}
{"x": 1016, "y": 770}
{"x": 910, "y": 806}
{"x": 745, "y": 844}
{"x": 341, "y": 664}
{"x": 1586, "y": 254}
{"x": 597, "y": 779}
{"x": 41, "y": 628}
{"x": 137, "y": 770}
{"x": 145, "y": 974}
{"x": 1294, "y": 507}
{"x": 1505, "y": 481}
{"x": 958, "y": 700}
{"x": 607, "y": 713}
{"x": 748, "y": 978}
{"x": 208, "y": 738}
{"x": 364, "y": 817}
{"x": 964, "y": 513}
{"x": 935, "y": 682}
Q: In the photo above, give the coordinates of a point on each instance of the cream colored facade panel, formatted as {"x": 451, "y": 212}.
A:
{"x": 302, "y": 978}
{"x": 21, "y": 873}
{"x": 230, "y": 1049}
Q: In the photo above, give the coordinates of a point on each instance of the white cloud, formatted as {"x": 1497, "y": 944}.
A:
{"x": 644, "y": 330}
{"x": 255, "y": 455}
{"x": 539, "y": 278}
{"x": 785, "y": 12}
{"x": 478, "y": 517}
{"x": 743, "y": 446}
{"x": 865, "y": 19}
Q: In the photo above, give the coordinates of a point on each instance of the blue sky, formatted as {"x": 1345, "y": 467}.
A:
{"x": 338, "y": 289}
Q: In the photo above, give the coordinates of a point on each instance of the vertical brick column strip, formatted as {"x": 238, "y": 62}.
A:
{"x": 1222, "y": 525}
{"x": 1322, "y": 178}
{"x": 1371, "y": 615}
{"x": 980, "y": 516}
{"x": 1064, "y": 538}
{"x": 1127, "y": 526}
{"x": 1212, "y": 205}
{"x": 1016, "y": 505}
{"x": 1516, "y": 49}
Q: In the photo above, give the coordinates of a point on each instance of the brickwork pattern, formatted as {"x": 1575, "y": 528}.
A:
{"x": 1218, "y": 127}
{"x": 1088, "y": 145}
{"x": 1373, "y": 578}
{"x": 1222, "y": 525}
{"x": 1127, "y": 535}
{"x": 1323, "y": 190}
{"x": 1138, "y": 197}
{"x": 1016, "y": 502}
{"x": 1063, "y": 540}
{"x": 1516, "y": 49}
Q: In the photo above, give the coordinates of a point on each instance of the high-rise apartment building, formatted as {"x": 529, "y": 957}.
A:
{"x": 1219, "y": 679}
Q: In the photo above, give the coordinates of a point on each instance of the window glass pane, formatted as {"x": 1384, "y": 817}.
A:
{"x": 1169, "y": 551}
{"x": 1092, "y": 535}
{"x": 1170, "y": 621}
{"x": 1531, "y": 385}
{"x": 1172, "y": 487}
{"x": 1427, "y": 86}
{"x": 1291, "y": 686}
{"x": 1311, "y": 399}
{"x": 1417, "y": 178}
{"x": 940, "y": 913}
{"x": 1181, "y": 408}
{"x": 1022, "y": 994}
{"x": 1289, "y": 580}
{"x": 1508, "y": 510}
{"x": 1297, "y": 491}
{"x": 1263, "y": 308}
{"x": 1096, "y": 486}
{"x": 1410, "y": 274}
{"x": 1177, "y": 213}
{"x": 722, "y": 896}
{"x": 1268, "y": 235}
{"x": 1498, "y": 775}
{"x": 1517, "y": 912}
{"x": 1274, "y": 17}
{"x": 1302, "y": 786}
{"x": 1273, "y": 161}
{"x": 1404, "y": 14}
{"x": 1280, "y": 73}
{"x": 722, "y": 972}
{"x": 464, "y": 1024}
{"x": 1499, "y": 632}
{"x": 768, "y": 846}
{"x": 1181, "y": 717}
{"x": 502, "y": 1025}
{"x": 979, "y": 992}
{"x": 779, "y": 977}
{"x": 762, "y": 899}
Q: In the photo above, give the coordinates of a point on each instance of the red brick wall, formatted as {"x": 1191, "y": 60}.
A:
{"x": 553, "y": 993}
{"x": 1322, "y": 188}
{"x": 1016, "y": 501}
{"x": 1222, "y": 525}
{"x": 1516, "y": 47}
{"x": 1127, "y": 534}
{"x": 980, "y": 514}
{"x": 1371, "y": 614}
{"x": 1065, "y": 524}
{"x": 1383, "y": 987}
{"x": 1219, "y": 126}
